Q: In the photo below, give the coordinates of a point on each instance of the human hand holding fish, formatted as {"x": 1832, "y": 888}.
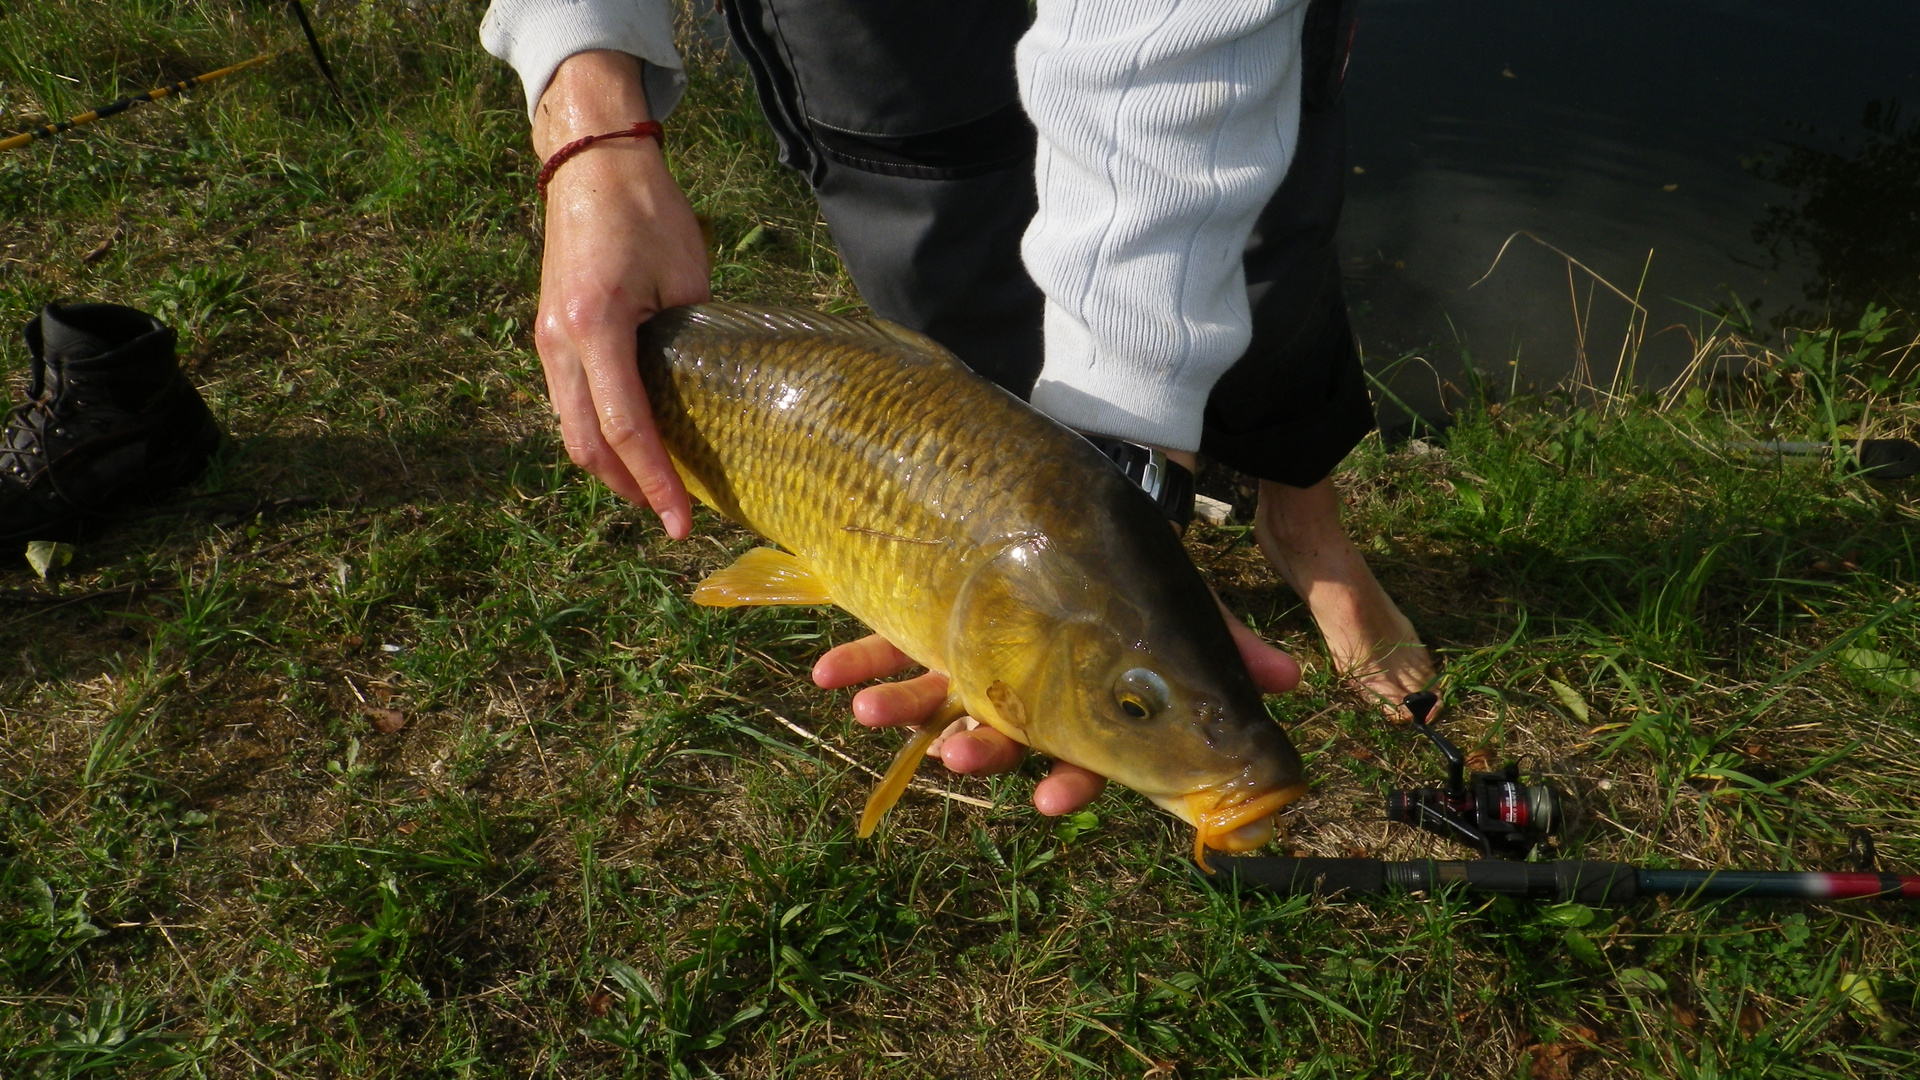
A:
{"x": 1141, "y": 685}
{"x": 971, "y": 748}
{"x": 622, "y": 244}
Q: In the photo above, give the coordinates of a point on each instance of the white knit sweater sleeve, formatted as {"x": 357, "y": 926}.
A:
{"x": 1165, "y": 125}
{"x": 536, "y": 35}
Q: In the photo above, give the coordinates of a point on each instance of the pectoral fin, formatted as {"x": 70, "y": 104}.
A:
{"x": 900, "y": 773}
{"x": 762, "y": 576}
{"x": 1008, "y": 705}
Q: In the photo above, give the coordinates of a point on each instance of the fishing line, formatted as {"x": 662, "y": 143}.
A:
{"x": 319, "y": 56}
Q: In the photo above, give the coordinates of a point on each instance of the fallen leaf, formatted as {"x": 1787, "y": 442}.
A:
{"x": 1552, "y": 1061}
{"x": 1571, "y": 698}
{"x": 1638, "y": 980}
{"x": 1582, "y": 948}
{"x": 1863, "y": 995}
{"x": 48, "y": 556}
{"x": 757, "y": 237}
{"x": 1879, "y": 671}
{"x": 99, "y": 252}
{"x": 385, "y": 721}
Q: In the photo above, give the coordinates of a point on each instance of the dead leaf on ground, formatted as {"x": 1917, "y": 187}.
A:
{"x": 99, "y": 252}
{"x": 1554, "y": 1060}
{"x": 385, "y": 721}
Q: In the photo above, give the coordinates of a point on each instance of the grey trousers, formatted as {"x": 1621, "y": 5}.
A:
{"x": 904, "y": 117}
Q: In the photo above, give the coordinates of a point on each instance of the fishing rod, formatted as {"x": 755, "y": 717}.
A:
{"x": 49, "y": 130}
{"x": 1497, "y": 815}
{"x": 1877, "y": 459}
{"x": 46, "y": 131}
{"x": 1563, "y": 880}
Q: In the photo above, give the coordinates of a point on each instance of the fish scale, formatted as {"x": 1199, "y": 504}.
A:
{"x": 984, "y": 540}
{"x": 884, "y": 403}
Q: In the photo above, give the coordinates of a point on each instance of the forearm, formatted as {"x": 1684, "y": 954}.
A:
{"x": 1164, "y": 128}
{"x": 591, "y": 93}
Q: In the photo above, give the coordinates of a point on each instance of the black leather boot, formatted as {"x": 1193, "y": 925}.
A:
{"x": 111, "y": 422}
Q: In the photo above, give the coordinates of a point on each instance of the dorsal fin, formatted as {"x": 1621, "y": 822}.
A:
{"x": 740, "y": 319}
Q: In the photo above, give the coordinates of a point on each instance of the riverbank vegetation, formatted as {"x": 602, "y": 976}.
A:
{"x": 393, "y": 748}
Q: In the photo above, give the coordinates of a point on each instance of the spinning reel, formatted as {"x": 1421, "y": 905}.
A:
{"x": 1491, "y": 812}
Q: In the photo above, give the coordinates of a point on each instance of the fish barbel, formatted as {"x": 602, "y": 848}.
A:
{"x": 983, "y": 539}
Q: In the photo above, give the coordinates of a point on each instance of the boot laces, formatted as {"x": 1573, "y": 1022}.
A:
{"x": 31, "y": 427}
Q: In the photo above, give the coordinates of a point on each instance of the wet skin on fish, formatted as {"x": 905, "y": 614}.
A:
{"x": 984, "y": 540}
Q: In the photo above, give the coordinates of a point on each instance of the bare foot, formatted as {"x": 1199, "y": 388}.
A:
{"x": 1369, "y": 641}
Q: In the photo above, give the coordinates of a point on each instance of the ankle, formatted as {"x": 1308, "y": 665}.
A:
{"x": 1300, "y": 523}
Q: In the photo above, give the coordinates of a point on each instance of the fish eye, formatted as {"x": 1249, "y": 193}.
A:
{"x": 1141, "y": 693}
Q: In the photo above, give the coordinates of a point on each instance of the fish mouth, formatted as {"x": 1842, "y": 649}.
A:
{"x": 1241, "y": 826}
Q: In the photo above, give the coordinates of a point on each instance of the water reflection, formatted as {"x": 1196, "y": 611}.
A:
{"x": 1855, "y": 214}
{"x": 1614, "y": 130}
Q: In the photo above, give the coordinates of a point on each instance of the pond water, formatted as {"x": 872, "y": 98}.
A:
{"x": 1625, "y": 134}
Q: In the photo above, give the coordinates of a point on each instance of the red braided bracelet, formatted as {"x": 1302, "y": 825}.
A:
{"x": 644, "y": 129}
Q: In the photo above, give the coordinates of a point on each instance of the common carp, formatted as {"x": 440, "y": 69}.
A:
{"x": 983, "y": 539}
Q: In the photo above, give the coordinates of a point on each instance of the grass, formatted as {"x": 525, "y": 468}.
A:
{"x": 393, "y": 748}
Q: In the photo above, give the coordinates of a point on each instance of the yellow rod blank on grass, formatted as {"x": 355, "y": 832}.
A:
{"x": 126, "y": 103}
